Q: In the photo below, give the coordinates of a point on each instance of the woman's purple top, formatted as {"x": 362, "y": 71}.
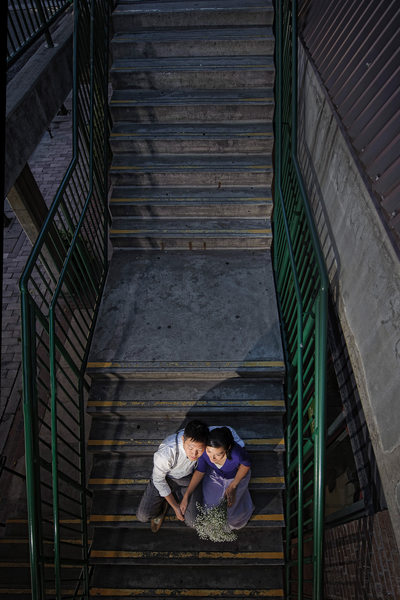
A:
{"x": 229, "y": 469}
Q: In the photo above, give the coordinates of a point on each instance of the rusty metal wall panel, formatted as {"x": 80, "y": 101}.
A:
{"x": 355, "y": 47}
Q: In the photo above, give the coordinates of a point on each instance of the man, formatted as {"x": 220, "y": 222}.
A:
{"x": 174, "y": 463}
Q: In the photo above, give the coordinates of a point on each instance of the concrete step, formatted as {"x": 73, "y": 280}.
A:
{"x": 118, "y": 509}
{"x": 14, "y": 574}
{"x": 191, "y": 170}
{"x": 182, "y": 546}
{"x": 224, "y": 41}
{"x": 18, "y": 528}
{"x": 225, "y": 13}
{"x": 17, "y": 549}
{"x": 191, "y": 202}
{"x": 207, "y": 72}
{"x": 203, "y": 315}
{"x": 190, "y": 234}
{"x": 132, "y": 472}
{"x": 140, "y": 435}
{"x": 192, "y": 105}
{"x": 116, "y": 581}
{"x": 181, "y": 398}
{"x": 193, "y": 138}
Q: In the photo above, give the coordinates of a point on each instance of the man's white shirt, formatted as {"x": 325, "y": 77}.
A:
{"x": 165, "y": 458}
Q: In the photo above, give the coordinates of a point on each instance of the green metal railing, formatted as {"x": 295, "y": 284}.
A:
{"x": 27, "y": 21}
{"x": 61, "y": 288}
{"x": 302, "y": 287}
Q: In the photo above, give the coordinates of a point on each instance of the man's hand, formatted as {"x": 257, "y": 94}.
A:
{"x": 183, "y": 504}
{"x": 230, "y": 494}
{"x": 178, "y": 513}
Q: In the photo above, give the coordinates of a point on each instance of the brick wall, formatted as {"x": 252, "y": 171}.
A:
{"x": 362, "y": 561}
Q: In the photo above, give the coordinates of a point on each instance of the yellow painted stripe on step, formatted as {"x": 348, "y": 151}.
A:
{"x": 194, "y": 68}
{"x": 19, "y": 591}
{"x": 114, "y": 200}
{"x": 192, "y": 231}
{"x": 177, "y": 555}
{"x": 120, "y": 518}
{"x": 27, "y": 565}
{"x": 62, "y": 521}
{"x": 194, "y": 134}
{"x": 25, "y": 541}
{"x": 190, "y": 363}
{"x": 185, "y": 403}
{"x": 180, "y": 231}
{"x": 133, "y": 518}
{"x": 100, "y": 365}
{"x": 253, "y": 37}
{"x": 123, "y": 442}
{"x": 267, "y": 99}
{"x": 277, "y": 517}
{"x": 110, "y": 481}
{"x": 250, "y": 442}
{"x": 191, "y": 167}
{"x": 267, "y": 480}
{"x": 106, "y": 481}
{"x": 265, "y": 442}
{"x": 191, "y": 593}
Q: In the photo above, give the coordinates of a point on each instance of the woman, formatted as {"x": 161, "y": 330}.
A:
{"x": 224, "y": 468}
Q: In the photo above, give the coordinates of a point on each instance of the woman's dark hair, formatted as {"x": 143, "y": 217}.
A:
{"x": 196, "y": 431}
{"x": 221, "y": 437}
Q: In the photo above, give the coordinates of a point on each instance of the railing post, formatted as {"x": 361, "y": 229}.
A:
{"x": 302, "y": 284}
{"x": 32, "y": 455}
{"x": 44, "y": 20}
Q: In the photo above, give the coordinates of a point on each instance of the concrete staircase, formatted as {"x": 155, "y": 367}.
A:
{"x": 188, "y": 326}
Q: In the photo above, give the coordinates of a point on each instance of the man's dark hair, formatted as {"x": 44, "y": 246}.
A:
{"x": 221, "y": 437}
{"x": 196, "y": 431}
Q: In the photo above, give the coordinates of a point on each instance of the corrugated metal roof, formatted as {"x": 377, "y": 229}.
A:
{"x": 355, "y": 47}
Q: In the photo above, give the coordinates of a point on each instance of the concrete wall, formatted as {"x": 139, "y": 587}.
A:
{"x": 364, "y": 271}
{"x": 33, "y": 98}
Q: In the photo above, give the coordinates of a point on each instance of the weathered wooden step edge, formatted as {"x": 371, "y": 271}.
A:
{"x": 191, "y": 170}
{"x": 224, "y": 41}
{"x": 137, "y": 434}
{"x": 117, "y": 508}
{"x": 190, "y": 233}
{"x": 201, "y": 582}
{"x": 183, "y": 546}
{"x": 193, "y": 370}
{"x": 192, "y": 14}
{"x": 179, "y": 398}
{"x": 182, "y": 408}
{"x": 191, "y": 202}
{"x": 191, "y": 138}
{"x": 230, "y": 390}
{"x": 195, "y": 73}
{"x": 113, "y": 471}
{"x": 192, "y": 105}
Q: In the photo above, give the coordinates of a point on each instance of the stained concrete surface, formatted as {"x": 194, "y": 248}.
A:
{"x": 364, "y": 272}
{"x": 181, "y": 306}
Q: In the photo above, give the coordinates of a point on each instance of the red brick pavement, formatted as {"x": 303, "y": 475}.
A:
{"x": 48, "y": 165}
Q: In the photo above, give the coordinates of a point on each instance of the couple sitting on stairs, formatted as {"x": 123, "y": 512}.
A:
{"x": 217, "y": 458}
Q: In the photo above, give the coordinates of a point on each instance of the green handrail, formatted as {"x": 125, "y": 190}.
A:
{"x": 302, "y": 286}
{"x": 61, "y": 288}
{"x": 28, "y": 21}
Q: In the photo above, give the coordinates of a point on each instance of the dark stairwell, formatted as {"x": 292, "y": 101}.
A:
{"x": 188, "y": 325}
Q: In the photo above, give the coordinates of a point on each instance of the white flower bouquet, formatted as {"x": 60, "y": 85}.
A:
{"x": 212, "y": 523}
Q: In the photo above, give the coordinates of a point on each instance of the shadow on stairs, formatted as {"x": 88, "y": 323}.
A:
{"x": 188, "y": 326}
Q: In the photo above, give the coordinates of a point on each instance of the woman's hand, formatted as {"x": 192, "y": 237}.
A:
{"x": 184, "y": 503}
{"x": 230, "y": 495}
{"x": 179, "y": 513}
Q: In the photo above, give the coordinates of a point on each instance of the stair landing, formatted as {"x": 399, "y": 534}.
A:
{"x": 203, "y": 314}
